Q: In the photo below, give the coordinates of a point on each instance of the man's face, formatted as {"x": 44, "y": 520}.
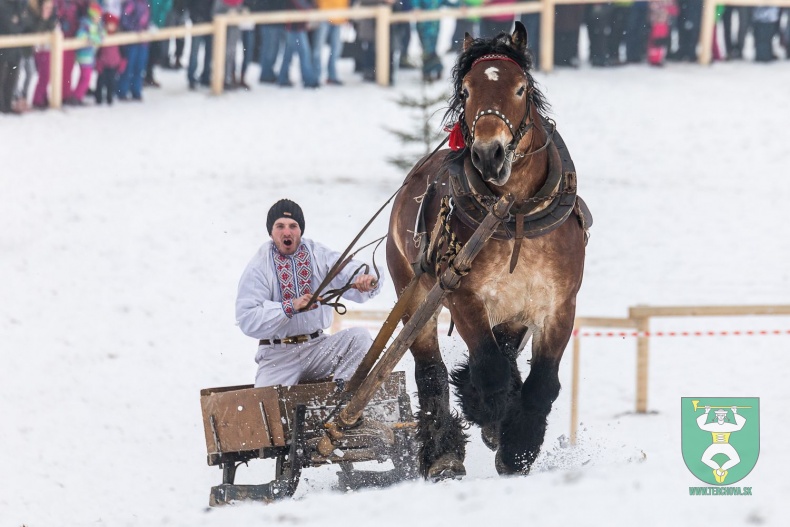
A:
{"x": 286, "y": 235}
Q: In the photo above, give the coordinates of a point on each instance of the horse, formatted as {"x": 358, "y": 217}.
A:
{"x": 502, "y": 143}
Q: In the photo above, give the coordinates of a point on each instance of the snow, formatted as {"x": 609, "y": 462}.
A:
{"x": 125, "y": 230}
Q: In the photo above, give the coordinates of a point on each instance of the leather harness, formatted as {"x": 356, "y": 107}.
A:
{"x": 531, "y": 217}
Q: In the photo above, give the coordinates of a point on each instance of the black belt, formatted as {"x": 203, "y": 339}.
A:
{"x": 296, "y": 339}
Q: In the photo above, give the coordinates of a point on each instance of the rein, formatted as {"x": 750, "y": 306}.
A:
{"x": 343, "y": 260}
{"x": 332, "y": 297}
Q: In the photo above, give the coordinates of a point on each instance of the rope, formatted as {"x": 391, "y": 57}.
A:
{"x": 734, "y": 333}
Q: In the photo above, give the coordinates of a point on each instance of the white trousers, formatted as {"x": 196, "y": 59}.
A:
{"x": 335, "y": 355}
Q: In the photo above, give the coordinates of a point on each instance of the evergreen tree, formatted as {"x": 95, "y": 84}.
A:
{"x": 427, "y": 134}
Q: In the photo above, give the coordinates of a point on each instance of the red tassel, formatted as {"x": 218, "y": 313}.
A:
{"x": 456, "y": 137}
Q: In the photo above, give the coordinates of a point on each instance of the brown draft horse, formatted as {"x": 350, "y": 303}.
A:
{"x": 510, "y": 147}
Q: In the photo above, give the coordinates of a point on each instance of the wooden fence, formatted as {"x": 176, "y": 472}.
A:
{"x": 382, "y": 14}
{"x": 638, "y": 321}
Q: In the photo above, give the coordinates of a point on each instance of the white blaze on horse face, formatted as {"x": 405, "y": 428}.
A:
{"x": 492, "y": 73}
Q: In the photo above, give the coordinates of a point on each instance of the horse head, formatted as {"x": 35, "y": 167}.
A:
{"x": 496, "y": 102}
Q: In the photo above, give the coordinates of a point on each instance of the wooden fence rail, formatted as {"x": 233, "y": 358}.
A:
{"x": 382, "y": 14}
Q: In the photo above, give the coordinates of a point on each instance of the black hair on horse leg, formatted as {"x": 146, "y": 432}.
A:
{"x": 440, "y": 431}
{"x": 470, "y": 400}
{"x": 523, "y": 430}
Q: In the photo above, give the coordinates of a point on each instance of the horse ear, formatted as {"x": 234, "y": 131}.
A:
{"x": 519, "y": 37}
{"x": 468, "y": 41}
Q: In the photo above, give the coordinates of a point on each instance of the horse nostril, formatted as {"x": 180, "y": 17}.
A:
{"x": 499, "y": 154}
{"x": 475, "y": 157}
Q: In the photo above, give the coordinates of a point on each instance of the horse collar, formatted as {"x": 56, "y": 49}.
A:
{"x": 531, "y": 217}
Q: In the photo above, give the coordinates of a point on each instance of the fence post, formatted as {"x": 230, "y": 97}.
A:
{"x": 383, "y": 45}
{"x": 642, "y": 362}
{"x": 218, "y": 54}
{"x": 547, "y": 36}
{"x": 575, "y": 385}
{"x": 56, "y": 69}
{"x": 706, "y": 31}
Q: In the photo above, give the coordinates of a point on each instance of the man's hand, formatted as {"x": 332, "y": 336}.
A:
{"x": 301, "y": 302}
{"x": 707, "y": 408}
{"x": 734, "y": 410}
{"x": 365, "y": 283}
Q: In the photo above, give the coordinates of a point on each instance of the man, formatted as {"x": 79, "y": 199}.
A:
{"x": 720, "y": 431}
{"x": 271, "y": 305}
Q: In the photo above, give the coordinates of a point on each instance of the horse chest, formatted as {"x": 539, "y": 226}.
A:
{"x": 527, "y": 294}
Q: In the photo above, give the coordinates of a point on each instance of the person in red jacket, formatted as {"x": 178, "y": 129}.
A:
{"x": 108, "y": 63}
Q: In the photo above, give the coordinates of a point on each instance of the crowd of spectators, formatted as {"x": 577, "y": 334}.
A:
{"x": 653, "y": 32}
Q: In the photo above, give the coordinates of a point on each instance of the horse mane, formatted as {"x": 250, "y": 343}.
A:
{"x": 499, "y": 45}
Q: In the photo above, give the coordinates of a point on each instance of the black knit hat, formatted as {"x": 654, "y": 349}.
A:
{"x": 285, "y": 208}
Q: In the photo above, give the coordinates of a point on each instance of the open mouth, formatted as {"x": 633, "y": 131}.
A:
{"x": 288, "y": 243}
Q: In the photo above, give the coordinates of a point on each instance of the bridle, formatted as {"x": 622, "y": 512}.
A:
{"x": 518, "y": 133}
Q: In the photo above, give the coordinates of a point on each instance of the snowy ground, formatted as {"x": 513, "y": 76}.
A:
{"x": 125, "y": 230}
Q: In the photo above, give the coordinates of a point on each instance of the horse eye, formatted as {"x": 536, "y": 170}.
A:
{"x": 520, "y": 91}
{"x": 465, "y": 94}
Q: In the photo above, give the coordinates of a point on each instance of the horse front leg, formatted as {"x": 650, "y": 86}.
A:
{"x": 485, "y": 382}
{"x": 524, "y": 427}
{"x": 511, "y": 338}
{"x": 439, "y": 429}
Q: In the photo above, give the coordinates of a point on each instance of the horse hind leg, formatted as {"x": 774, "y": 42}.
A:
{"x": 439, "y": 430}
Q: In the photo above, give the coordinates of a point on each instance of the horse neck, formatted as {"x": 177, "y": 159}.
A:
{"x": 528, "y": 174}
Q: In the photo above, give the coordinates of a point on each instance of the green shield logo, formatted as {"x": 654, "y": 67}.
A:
{"x": 720, "y": 437}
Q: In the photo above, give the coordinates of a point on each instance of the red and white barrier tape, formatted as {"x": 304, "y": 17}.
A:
{"x": 735, "y": 333}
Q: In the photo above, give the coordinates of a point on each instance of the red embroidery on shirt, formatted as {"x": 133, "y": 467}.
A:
{"x": 293, "y": 273}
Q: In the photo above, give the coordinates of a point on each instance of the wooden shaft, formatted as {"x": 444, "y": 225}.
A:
{"x": 384, "y": 334}
{"x": 56, "y": 69}
{"x": 547, "y": 36}
{"x": 706, "y": 32}
{"x": 383, "y": 45}
{"x": 432, "y": 303}
{"x": 218, "y": 54}
{"x": 575, "y": 389}
{"x": 642, "y": 361}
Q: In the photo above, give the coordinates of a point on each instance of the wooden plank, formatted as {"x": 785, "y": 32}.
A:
{"x": 604, "y": 322}
{"x": 271, "y": 402}
{"x": 707, "y": 311}
{"x": 30, "y": 39}
{"x": 471, "y": 12}
{"x": 233, "y": 419}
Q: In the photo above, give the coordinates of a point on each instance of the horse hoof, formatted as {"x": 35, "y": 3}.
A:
{"x": 504, "y": 470}
{"x": 490, "y": 436}
{"x": 446, "y": 467}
